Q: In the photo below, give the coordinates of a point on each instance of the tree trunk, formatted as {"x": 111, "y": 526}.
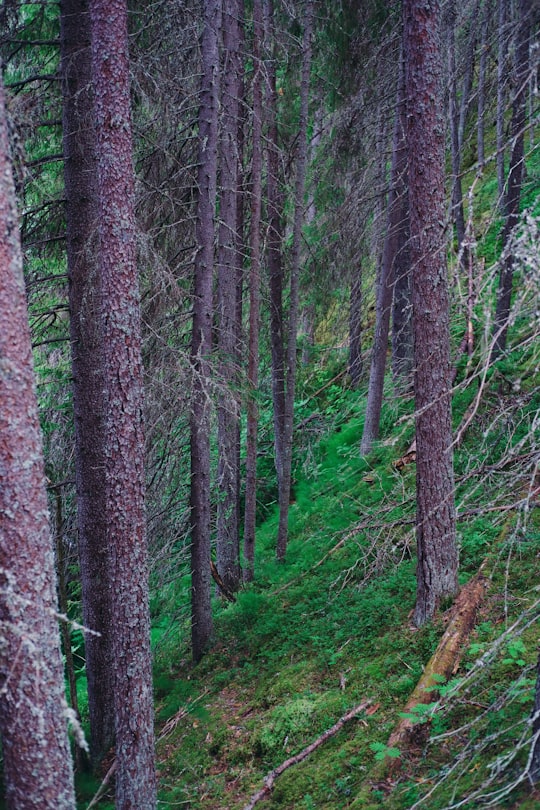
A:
{"x": 35, "y": 747}
{"x": 301, "y": 170}
{"x": 457, "y": 192}
{"x": 502, "y": 45}
{"x": 201, "y": 344}
{"x": 402, "y": 339}
{"x": 468, "y": 76}
{"x": 515, "y": 175}
{"x": 482, "y": 68}
{"x": 275, "y": 246}
{"x": 228, "y": 537}
{"x": 124, "y": 449}
{"x": 385, "y": 283}
{"x": 435, "y": 520}
{"x": 355, "y": 329}
{"x": 254, "y": 297}
{"x": 80, "y": 178}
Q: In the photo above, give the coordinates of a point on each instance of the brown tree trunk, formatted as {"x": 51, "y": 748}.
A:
{"x": 482, "y": 69}
{"x": 37, "y": 760}
{"x": 502, "y": 46}
{"x": 228, "y": 537}
{"x": 468, "y": 76}
{"x": 80, "y": 178}
{"x": 435, "y": 520}
{"x": 457, "y": 191}
{"x": 201, "y": 344}
{"x": 124, "y": 448}
{"x": 254, "y": 297}
{"x": 385, "y": 283}
{"x": 275, "y": 246}
{"x": 300, "y": 183}
{"x": 515, "y": 175}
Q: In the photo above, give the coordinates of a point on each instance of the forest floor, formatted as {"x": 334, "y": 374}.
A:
{"x": 331, "y": 629}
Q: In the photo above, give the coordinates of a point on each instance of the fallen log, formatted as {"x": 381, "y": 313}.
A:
{"x": 443, "y": 663}
{"x": 271, "y": 777}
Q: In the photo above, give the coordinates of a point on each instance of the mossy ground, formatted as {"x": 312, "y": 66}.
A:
{"x": 330, "y": 628}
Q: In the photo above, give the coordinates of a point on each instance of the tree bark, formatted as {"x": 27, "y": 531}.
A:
{"x": 435, "y": 520}
{"x": 254, "y": 297}
{"x": 124, "y": 448}
{"x": 300, "y": 183}
{"x": 201, "y": 344}
{"x": 275, "y": 245}
{"x": 37, "y": 760}
{"x": 385, "y": 283}
{"x": 482, "y": 69}
{"x": 468, "y": 76}
{"x": 228, "y": 536}
{"x": 515, "y": 175}
{"x": 502, "y": 46}
{"x": 80, "y": 179}
{"x": 457, "y": 191}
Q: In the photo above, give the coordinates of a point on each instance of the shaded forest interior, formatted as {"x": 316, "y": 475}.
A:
{"x": 269, "y": 404}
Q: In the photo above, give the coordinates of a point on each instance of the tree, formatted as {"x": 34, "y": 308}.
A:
{"x": 386, "y": 280}
{"x": 300, "y": 182}
{"x": 228, "y": 537}
{"x": 80, "y": 179}
{"x": 35, "y": 746}
{"x": 254, "y": 295}
{"x": 515, "y": 173}
{"x": 275, "y": 202}
{"x": 435, "y": 519}
{"x": 201, "y": 344}
{"x": 120, "y": 355}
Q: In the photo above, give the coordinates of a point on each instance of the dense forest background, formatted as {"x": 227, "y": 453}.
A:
{"x": 281, "y": 265}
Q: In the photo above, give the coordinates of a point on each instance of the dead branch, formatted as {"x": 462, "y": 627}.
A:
{"x": 103, "y": 787}
{"x": 270, "y": 778}
{"x": 219, "y": 582}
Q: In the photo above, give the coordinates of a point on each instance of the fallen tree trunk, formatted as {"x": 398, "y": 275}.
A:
{"x": 444, "y": 661}
{"x": 270, "y": 778}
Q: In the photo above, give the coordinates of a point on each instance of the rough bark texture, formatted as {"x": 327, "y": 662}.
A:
{"x": 502, "y": 45}
{"x": 385, "y": 284}
{"x": 435, "y": 521}
{"x": 228, "y": 538}
{"x": 482, "y": 70}
{"x": 275, "y": 247}
{"x": 254, "y": 297}
{"x": 515, "y": 174}
{"x": 122, "y": 371}
{"x": 80, "y": 176}
{"x": 457, "y": 190}
{"x": 201, "y": 345}
{"x": 35, "y": 747}
{"x": 402, "y": 339}
{"x": 300, "y": 183}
